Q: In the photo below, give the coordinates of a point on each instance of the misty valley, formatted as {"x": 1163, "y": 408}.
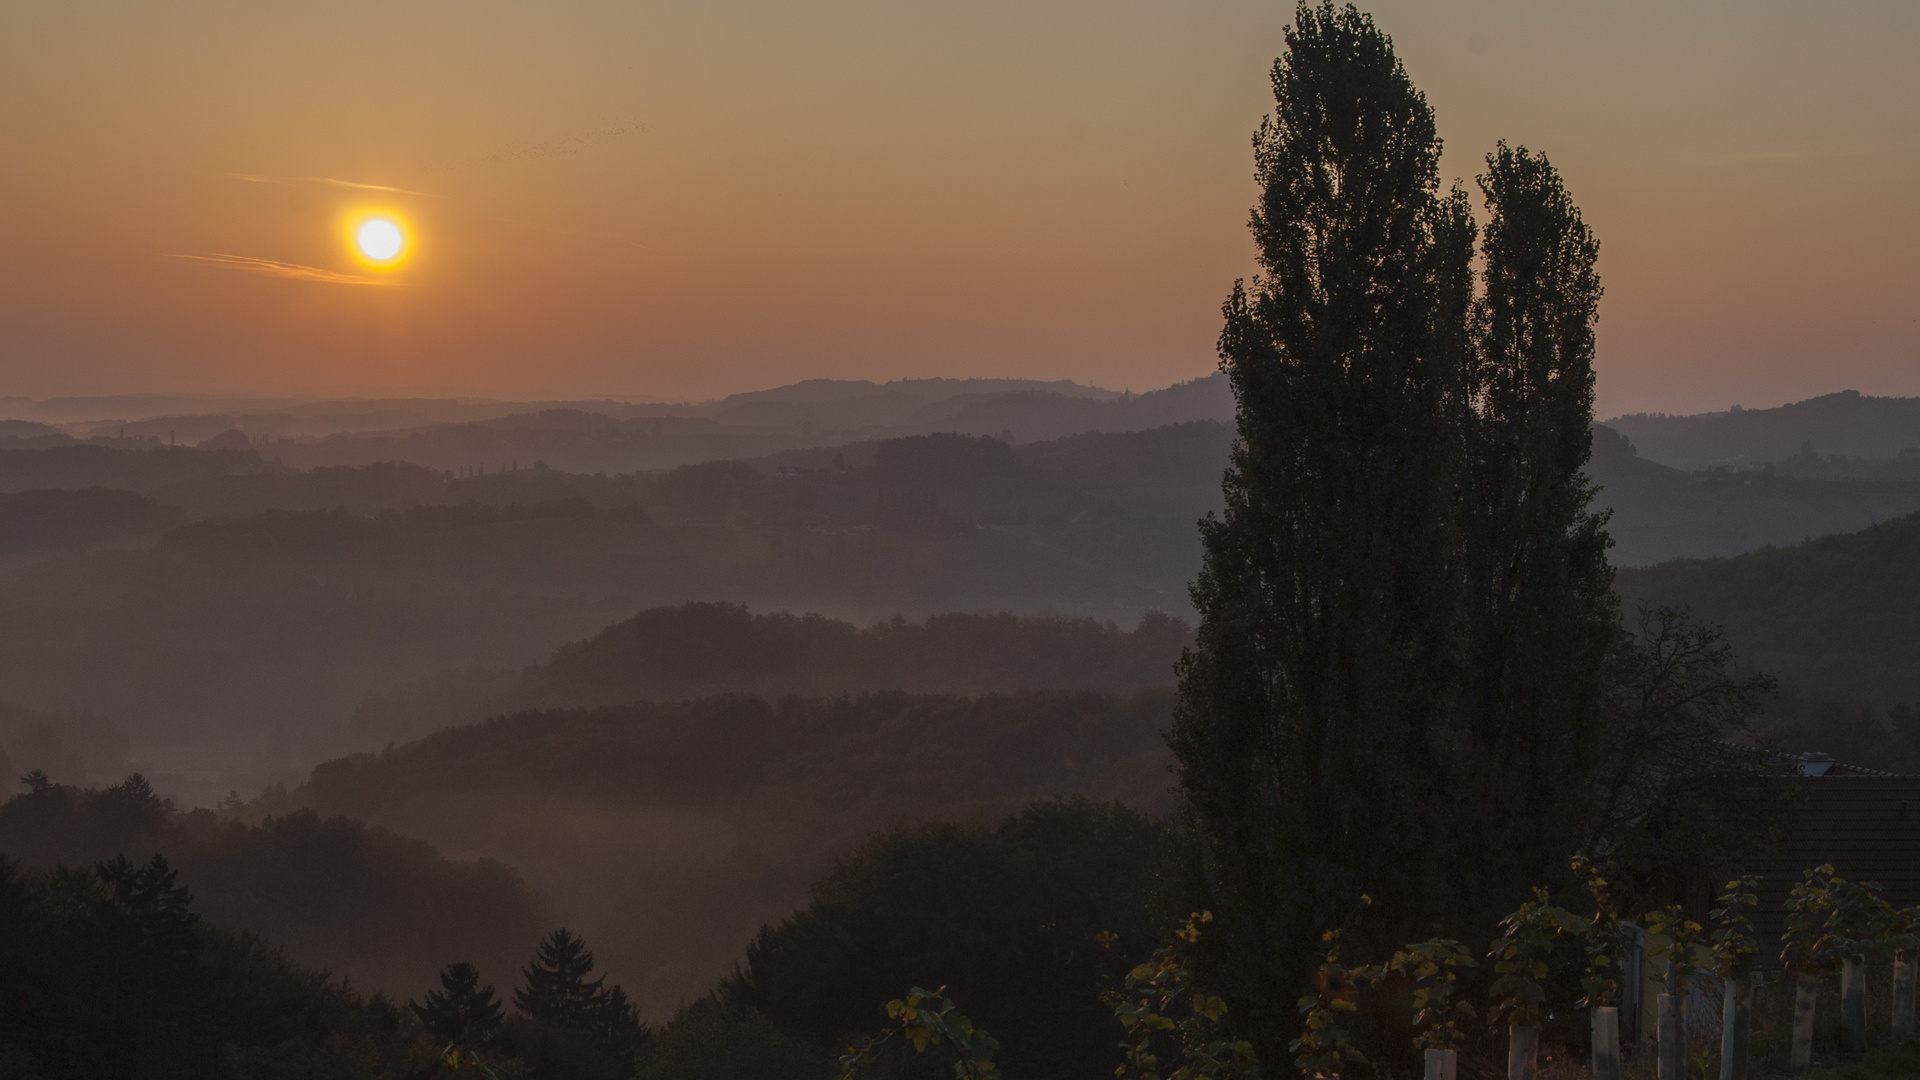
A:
{"x": 391, "y": 714}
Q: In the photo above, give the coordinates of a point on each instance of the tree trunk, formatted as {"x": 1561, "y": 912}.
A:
{"x": 1736, "y": 1027}
{"x": 1523, "y": 1047}
{"x": 1853, "y": 1005}
{"x": 1903, "y": 996}
{"x": 1673, "y": 1039}
{"x": 1606, "y": 1043}
{"x": 1806, "y": 992}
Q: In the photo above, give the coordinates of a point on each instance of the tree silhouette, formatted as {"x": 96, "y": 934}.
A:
{"x": 559, "y": 994}
{"x": 557, "y": 990}
{"x": 461, "y": 1011}
{"x": 1405, "y": 608}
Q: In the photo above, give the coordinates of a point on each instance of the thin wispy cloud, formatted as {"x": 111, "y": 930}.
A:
{"x": 329, "y": 181}
{"x": 292, "y": 271}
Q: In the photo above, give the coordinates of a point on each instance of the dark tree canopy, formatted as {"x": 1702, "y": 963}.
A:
{"x": 462, "y": 1011}
{"x": 1405, "y": 605}
{"x": 1007, "y": 918}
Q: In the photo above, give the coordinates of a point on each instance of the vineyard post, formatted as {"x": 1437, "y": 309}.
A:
{"x": 1673, "y": 1049}
{"x": 1736, "y": 1026}
{"x": 1903, "y": 995}
{"x": 1853, "y": 1003}
{"x": 1734, "y": 948}
{"x": 1606, "y": 1042}
{"x": 1523, "y": 1048}
{"x": 1806, "y": 992}
{"x": 1442, "y": 1064}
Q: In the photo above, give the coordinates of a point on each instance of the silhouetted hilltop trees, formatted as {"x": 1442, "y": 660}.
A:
{"x": 381, "y": 908}
{"x": 701, "y": 649}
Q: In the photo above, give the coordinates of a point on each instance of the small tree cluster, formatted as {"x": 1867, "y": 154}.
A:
{"x": 1831, "y": 920}
{"x": 560, "y": 1004}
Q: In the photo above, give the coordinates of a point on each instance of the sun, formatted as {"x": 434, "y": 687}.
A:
{"x": 379, "y": 240}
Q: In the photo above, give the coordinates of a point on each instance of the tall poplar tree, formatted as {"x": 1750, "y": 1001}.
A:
{"x": 1331, "y": 603}
{"x": 1405, "y": 605}
{"x": 1544, "y": 615}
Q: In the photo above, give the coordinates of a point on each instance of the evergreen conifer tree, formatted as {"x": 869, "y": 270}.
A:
{"x": 1405, "y": 608}
{"x": 557, "y": 990}
{"x": 462, "y": 1011}
{"x": 559, "y": 994}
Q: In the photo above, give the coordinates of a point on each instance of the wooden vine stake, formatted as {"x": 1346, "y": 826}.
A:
{"x": 1853, "y": 1004}
{"x": 1606, "y": 940}
{"x": 1606, "y": 1042}
{"x": 1734, "y": 949}
{"x": 1806, "y": 993}
{"x": 1903, "y": 995}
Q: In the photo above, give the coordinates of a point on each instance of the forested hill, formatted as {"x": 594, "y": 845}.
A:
{"x": 699, "y": 649}
{"x": 244, "y": 640}
{"x": 1837, "y": 615}
{"x": 1660, "y": 513}
{"x": 1848, "y": 424}
{"x": 384, "y": 910}
{"x": 669, "y": 832}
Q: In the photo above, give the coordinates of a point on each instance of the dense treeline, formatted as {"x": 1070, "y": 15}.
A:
{"x": 55, "y": 518}
{"x": 701, "y": 649}
{"x": 107, "y": 972}
{"x": 1064, "y": 891}
{"x": 336, "y": 894}
{"x": 141, "y": 470}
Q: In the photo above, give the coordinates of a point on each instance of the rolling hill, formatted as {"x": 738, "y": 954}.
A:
{"x": 668, "y": 833}
{"x": 1835, "y": 615}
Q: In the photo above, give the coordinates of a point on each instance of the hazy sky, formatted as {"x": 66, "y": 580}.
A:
{"x": 686, "y": 199}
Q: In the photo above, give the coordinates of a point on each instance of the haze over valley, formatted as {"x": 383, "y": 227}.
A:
{"x": 249, "y": 616}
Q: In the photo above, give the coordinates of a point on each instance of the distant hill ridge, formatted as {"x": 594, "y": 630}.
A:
{"x": 1837, "y": 615}
{"x": 1848, "y": 424}
{"x": 700, "y": 649}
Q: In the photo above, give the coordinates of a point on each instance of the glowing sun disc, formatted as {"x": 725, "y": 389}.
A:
{"x": 379, "y": 239}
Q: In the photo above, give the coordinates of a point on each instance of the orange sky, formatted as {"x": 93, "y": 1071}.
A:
{"x": 660, "y": 199}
